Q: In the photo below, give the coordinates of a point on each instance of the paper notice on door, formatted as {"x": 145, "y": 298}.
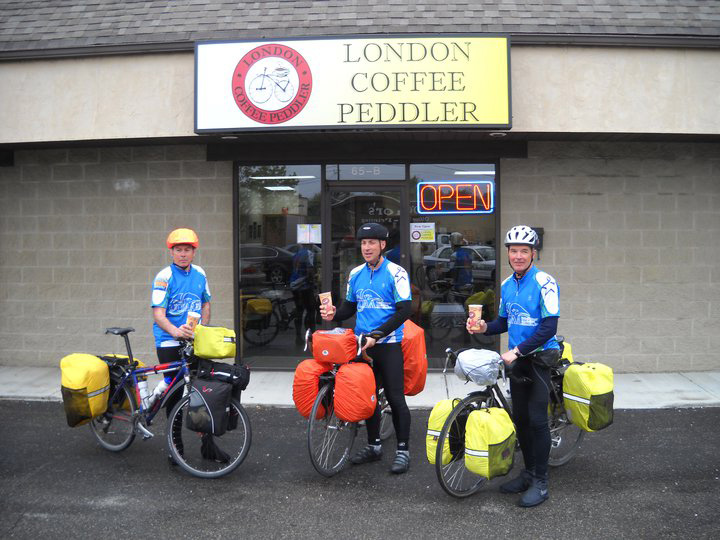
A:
{"x": 309, "y": 233}
{"x": 422, "y": 232}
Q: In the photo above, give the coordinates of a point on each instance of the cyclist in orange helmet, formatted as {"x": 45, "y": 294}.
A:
{"x": 178, "y": 289}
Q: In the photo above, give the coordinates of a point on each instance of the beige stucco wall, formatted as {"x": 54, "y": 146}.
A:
{"x": 554, "y": 89}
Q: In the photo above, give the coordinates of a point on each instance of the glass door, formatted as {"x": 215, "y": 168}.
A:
{"x": 348, "y": 209}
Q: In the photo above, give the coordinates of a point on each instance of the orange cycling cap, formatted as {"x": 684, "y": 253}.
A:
{"x": 182, "y": 236}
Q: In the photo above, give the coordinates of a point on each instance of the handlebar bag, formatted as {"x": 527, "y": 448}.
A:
{"x": 489, "y": 442}
{"x": 355, "y": 398}
{"x": 588, "y": 395}
{"x": 480, "y": 366}
{"x": 415, "y": 363}
{"x": 85, "y": 385}
{"x": 306, "y": 385}
{"x": 214, "y": 342}
{"x": 209, "y": 407}
{"x": 436, "y": 421}
{"x": 337, "y": 346}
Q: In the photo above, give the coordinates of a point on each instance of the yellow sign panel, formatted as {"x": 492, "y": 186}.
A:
{"x": 394, "y": 81}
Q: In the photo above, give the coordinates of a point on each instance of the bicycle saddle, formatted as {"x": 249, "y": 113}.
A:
{"x": 119, "y": 331}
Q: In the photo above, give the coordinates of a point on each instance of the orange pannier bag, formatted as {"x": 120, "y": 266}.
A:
{"x": 355, "y": 392}
{"x": 337, "y": 346}
{"x": 306, "y": 385}
{"x": 415, "y": 363}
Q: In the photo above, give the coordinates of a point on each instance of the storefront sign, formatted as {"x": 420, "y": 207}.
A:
{"x": 394, "y": 81}
{"x": 477, "y": 197}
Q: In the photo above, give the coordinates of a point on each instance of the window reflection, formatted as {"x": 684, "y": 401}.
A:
{"x": 456, "y": 268}
{"x": 280, "y": 262}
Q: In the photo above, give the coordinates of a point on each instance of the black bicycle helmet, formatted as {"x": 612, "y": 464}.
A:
{"x": 372, "y": 230}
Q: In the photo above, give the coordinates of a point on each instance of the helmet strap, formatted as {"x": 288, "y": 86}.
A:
{"x": 377, "y": 263}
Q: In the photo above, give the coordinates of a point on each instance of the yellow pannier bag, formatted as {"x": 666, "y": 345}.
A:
{"x": 436, "y": 421}
{"x": 85, "y": 383}
{"x": 567, "y": 352}
{"x": 489, "y": 442}
{"x": 214, "y": 342}
{"x": 257, "y": 308}
{"x": 588, "y": 395}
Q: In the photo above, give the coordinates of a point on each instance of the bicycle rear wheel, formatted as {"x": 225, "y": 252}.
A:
{"x": 453, "y": 476}
{"x": 205, "y": 455}
{"x": 329, "y": 438}
{"x": 115, "y": 428}
{"x": 262, "y": 332}
{"x": 565, "y": 437}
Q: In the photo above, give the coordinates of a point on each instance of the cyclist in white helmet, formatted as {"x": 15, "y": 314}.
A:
{"x": 529, "y": 312}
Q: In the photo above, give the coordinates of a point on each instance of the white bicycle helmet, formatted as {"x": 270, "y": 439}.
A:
{"x": 456, "y": 239}
{"x": 521, "y": 235}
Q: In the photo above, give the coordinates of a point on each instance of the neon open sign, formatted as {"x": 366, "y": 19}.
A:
{"x": 475, "y": 197}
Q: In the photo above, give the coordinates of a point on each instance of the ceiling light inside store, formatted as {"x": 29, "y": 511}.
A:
{"x": 279, "y": 188}
{"x": 472, "y": 173}
{"x": 281, "y": 177}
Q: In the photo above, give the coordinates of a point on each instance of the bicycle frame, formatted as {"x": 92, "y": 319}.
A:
{"x": 133, "y": 372}
{"x": 149, "y": 414}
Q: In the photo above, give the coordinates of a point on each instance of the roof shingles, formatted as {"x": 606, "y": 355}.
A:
{"x": 44, "y": 25}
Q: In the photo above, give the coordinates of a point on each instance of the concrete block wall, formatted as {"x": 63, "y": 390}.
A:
{"x": 632, "y": 234}
{"x": 82, "y": 234}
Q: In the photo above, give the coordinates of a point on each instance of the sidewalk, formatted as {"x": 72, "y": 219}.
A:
{"x": 632, "y": 390}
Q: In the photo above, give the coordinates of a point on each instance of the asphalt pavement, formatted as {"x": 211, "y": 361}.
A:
{"x": 653, "y": 473}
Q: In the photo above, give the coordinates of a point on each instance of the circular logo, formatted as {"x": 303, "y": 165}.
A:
{"x": 272, "y": 83}
{"x": 415, "y": 235}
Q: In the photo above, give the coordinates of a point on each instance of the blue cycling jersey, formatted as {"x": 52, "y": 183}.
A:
{"x": 376, "y": 292}
{"x": 525, "y": 301}
{"x": 178, "y": 291}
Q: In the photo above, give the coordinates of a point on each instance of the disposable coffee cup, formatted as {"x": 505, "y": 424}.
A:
{"x": 192, "y": 319}
{"x": 325, "y": 299}
{"x": 475, "y": 315}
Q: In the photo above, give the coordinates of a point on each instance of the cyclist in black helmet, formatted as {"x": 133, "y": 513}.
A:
{"x": 529, "y": 312}
{"x": 379, "y": 292}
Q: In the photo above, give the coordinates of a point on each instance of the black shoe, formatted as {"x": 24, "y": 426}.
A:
{"x": 536, "y": 494}
{"x": 367, "y": 454}
{"x": 401, "y": 463}
{"x": 518, "y": 484}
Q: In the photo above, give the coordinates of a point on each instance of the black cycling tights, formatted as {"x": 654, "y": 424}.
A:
{"x": 530, "y": 413}
{"x": 388, "y": 369}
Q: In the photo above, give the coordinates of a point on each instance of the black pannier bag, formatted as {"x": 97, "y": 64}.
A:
{"x": 208, "y": 410}
{"x": 236, "y": 375}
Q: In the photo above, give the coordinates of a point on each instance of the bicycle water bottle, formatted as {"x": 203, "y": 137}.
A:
{"x": 159, "y": 389}
{"x": 144, "y": 394}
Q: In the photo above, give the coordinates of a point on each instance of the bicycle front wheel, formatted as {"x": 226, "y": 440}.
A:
{"x": 453, "y": 476}
{"x": 115, "y": 428}
{"x": 329, "y": 438}
{"x": 386, "y": 422}
{"x": 205, "y": 455}
{"x": 565, "y": 437}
